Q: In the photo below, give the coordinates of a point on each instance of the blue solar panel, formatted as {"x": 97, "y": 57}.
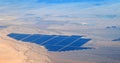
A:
{"x": 53, "y": 42}
{"x": 32, "y": 38}
{"x": 18, "y": 36}
{"x": 53, "y": 48}
{"x": 13, "y": 35}
{"x": 76, "y": 36}
{"x": 116, "y": 39}
{"x": 74, "y": 48}
{"x": 65, "y": 37}
{"x": 68, "y": 41}
{"x": 80, "y": 42}
{"x": 43, "y": 39}
{"x": 69, "y": 48}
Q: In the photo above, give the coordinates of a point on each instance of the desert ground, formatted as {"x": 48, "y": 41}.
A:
{"x": 98, "y": 20}
{"x": 12, "y": 51}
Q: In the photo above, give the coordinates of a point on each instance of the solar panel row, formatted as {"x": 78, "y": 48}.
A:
{"x": 53, "y": 42}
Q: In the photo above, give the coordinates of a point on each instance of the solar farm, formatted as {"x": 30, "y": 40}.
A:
{"x": 55, "y": 43}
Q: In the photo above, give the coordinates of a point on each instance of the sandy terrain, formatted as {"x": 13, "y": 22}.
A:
{"x": 12, "y": 51}
{"x": 9, "y": 54}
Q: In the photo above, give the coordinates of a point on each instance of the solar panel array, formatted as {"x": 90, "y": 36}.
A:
{"x": 53, "y": 42}
{"x": 116, "y": 39}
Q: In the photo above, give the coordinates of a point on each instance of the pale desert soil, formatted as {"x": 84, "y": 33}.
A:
{"x": 12, "y": 51}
